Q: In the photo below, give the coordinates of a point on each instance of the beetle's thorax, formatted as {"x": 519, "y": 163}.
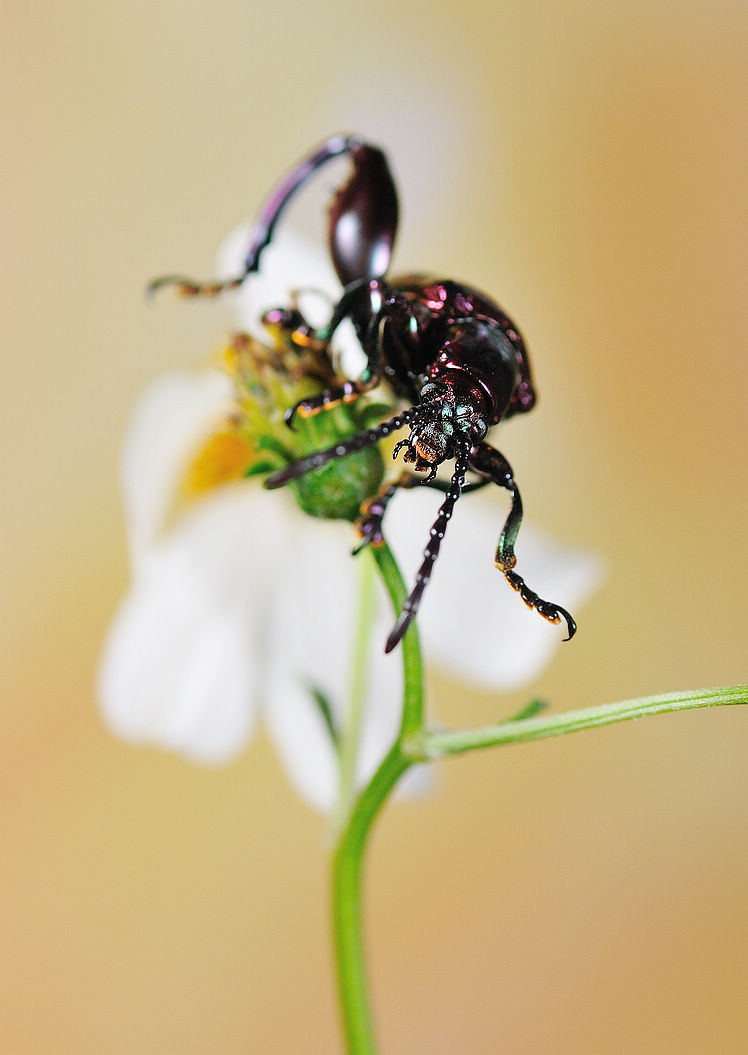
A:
{"x": 479, "y": 361}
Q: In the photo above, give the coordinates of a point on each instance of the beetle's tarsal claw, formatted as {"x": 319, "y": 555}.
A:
{"x": 398, "y": 631}
{"x": 187, "y": 288}
{"x": 184, "y": 287}
{"x": 553, "y": 613}
{"x": 369, "y": 524}
{"x": 570, "y": 623}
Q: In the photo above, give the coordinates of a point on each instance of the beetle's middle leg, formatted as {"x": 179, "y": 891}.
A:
{"x": 485, "y": 459}
{"x": 369, "y": 524}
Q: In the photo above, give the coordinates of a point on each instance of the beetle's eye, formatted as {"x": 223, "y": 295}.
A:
{"x": 479, "y": 428}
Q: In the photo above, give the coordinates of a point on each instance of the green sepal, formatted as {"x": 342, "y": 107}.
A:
{"x": 260, "y": 468}
{"x": 270, "y": 443}
{"x": 336, "y": 490}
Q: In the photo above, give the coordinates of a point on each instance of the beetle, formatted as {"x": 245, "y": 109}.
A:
{"x": 452, "y": 356}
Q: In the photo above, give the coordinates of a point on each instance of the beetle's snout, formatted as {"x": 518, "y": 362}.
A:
{"x": 425, "y": 448}
{"x": 431, "y": 444}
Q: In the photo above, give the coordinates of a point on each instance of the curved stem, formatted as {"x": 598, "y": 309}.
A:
{"x": 349, "y": 949}
{"x": 348, "y": 857}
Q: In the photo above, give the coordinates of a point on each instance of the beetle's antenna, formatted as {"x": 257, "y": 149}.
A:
{"x": 432, "y": 549}
{"x": 342, "y": 449}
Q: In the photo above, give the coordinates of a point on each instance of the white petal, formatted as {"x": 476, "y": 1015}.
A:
{"x": 472, "y": 623}
{"x": 173, "y": 417}
{"x": 311, "y": 632}
{"x": 180, "y": 666}
{"x": 291, "y": 264}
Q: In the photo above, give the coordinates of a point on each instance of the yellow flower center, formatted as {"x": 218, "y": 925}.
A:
{"x": 224, "y": 457}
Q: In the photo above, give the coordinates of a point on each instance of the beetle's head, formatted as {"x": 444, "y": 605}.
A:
{"x": 443, "y": 416}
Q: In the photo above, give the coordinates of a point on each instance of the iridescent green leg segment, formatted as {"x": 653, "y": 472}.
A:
{"x": 485, "y": 459}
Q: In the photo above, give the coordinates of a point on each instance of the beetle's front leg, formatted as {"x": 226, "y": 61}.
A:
{"x": 491, "y": 463}
{"x": 431, "y": 552}
{"x": 348, "y": 391}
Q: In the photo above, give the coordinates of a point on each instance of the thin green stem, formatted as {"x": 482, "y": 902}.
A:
{"x": 412, "y": 719}
{"x": 427, "y": 746}
{"x": 348, "y": 857}
{"x": 347, "y": 868}
{"x": 351, "y": 735}
{"x": 415, "y": 744}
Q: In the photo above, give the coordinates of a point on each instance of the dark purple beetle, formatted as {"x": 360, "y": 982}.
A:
{"x": 444, "y": 348}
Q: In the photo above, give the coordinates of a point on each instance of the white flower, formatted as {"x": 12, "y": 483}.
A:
{"x": 240, "y": 604}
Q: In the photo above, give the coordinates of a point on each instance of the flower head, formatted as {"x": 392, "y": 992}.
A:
{"x": 240, "y": 604}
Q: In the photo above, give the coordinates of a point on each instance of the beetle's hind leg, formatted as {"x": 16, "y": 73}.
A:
{"x": 270, "y": 214}
{"x": 485, "y": 459}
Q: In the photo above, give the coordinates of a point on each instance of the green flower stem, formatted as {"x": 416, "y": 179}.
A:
{"x": 412, "y": 719}
{"x": 427, "y": 746}
{"x": 347, "y": 866}
{"x": 348, "y": 857}
{"x": 416, "y": 744}
{"x": 351, "y": 734}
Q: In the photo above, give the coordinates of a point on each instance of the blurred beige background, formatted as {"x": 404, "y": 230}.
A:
{"x": 586, "y": 164}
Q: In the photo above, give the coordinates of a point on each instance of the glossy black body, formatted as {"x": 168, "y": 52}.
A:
{"x": 448, "y": 351}
{"x": 472, "y": 336}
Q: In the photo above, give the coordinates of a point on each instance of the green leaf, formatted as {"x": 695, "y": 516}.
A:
{"x": 530, "y": 710}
